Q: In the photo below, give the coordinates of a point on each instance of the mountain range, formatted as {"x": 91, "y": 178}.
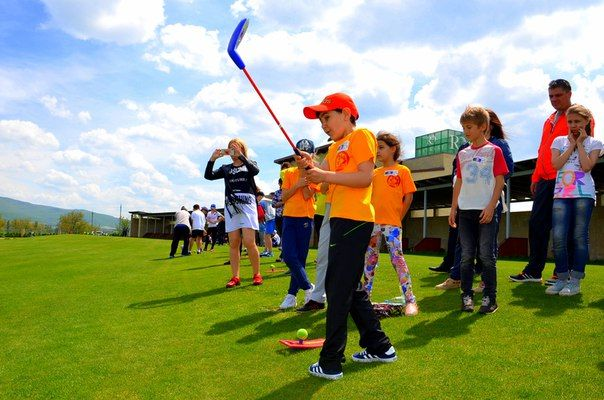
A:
{"x": 14, "y": 209}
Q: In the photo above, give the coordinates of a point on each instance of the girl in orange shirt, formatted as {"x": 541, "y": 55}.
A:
{"x": 393, "y": 189}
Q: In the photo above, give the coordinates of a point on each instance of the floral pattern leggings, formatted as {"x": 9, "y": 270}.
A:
{"x": 395, "y": 248}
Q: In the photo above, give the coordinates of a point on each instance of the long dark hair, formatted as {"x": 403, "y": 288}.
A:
{"x": 495, "y": 125}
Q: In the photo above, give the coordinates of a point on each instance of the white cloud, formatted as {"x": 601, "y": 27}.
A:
{"x": 59, "y": 178}
{"x": 84, "y": 116}
{"x": 245, "y": 7}
{"x": 171, "y": 90}
{"x": 120, "y": 21}
{"x": 188, "y": 46}
{"x": 92, "y": 190}
{"x": 76, "y": 156}
{"x": 129, "y": 104}
{"x": 182, "y": 165}
{"x": 26, "y": 134}
{"x": 56, "y": 108}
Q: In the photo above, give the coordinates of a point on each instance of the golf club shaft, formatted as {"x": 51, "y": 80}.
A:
{"x": 249, "y": 77}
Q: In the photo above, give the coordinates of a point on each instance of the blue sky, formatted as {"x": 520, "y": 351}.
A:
{"x": 115, "y": 102}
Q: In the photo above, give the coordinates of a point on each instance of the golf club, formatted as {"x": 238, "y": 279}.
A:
{"x": 236, "y": 37}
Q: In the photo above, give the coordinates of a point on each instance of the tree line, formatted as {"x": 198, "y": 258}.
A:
{"x": 71, "y": 223}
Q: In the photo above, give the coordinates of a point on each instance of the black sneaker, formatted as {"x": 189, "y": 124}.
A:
{"x": 467, "y": 303}
{"x": 440, "y": 269}
{"x": 316, "y": 370}
{"x": 488, "y": 306}
{"x": 524, "y": 277}
{"x": 366, "y": 357}
{"x": 311, "y": 306}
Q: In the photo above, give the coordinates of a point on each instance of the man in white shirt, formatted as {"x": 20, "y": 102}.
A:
{"x": 182, "y": 230}
{"x": 199, "y": 224}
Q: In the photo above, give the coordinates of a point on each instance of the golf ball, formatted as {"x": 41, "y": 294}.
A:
{"x": 302, "y": 334}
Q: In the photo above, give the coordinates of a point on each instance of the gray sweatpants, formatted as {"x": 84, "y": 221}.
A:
{"x": 318, "y": 294}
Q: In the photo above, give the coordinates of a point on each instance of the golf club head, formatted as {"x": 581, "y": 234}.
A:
{"x": 236, "y": 37}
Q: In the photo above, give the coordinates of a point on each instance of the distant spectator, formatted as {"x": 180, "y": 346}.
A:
{"x": 213, "y": 218}
{"x": 199, "y": 223}
{"x": 182, "y": 231}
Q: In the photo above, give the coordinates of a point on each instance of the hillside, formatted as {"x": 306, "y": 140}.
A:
{"x": 15, "y": 209}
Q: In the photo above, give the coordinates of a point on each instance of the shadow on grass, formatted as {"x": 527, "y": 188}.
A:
{"x": 454, "y": 324}
{"x": 533, "y": 297}
{"x": 303, "y": 388}
{"x": 443, "y": 300}
{"x": 172, "y": 301}
{"x": 206, "y": 267}
{"x": 431, "y": 280}
{"x": 287, "y": 327}
{"x": 599, "y": 304}
{"x": 226, "y": 326}
{"x": 262, "y": 330}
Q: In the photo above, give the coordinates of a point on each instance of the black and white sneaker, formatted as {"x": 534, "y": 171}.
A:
{"x": 524, "y": 277}
{"x": 467, "y": 303}
{"x": 488, "y": 306}
{"x": 316, "y": 370}
{"x": 366, "y": 357}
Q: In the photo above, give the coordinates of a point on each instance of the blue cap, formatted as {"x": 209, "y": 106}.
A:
{"x": 213, "y": 206}
{"x": 306, "y": 145}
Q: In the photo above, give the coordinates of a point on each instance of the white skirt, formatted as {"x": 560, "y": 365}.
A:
{"x": 246, "y": 218}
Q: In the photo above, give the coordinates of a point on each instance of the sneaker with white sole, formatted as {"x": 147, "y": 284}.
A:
{"x": 366, "y": 357}
{"x": 449, "y": 284}
{"x": 467, "y": 303}
{"x": 308, "y": 293}
{"x": 556, "y": 288}
{"x": 488, "y": 305}
{"x": 318, "y": 371}
{"x": 524, "y": 277}
{"x": 288, "y": 302}
{"x": 573, "y": 287}
{"x": 552, "y": 280}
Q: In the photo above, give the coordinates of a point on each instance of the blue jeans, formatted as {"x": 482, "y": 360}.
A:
{"x": 455, "y": 272}
{"x": 570, "y": 223}
{"x": 472, "y": 236}
{"x": 294, "y": 244}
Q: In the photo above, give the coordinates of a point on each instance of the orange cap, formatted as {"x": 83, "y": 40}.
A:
{"x": 335, "y": 101}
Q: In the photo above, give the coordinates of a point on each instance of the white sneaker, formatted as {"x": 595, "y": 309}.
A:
{"x": 308, "y": 293}
{"x": 572, "y": 288}
{"x": 556, "y": 288}
{"x": 288, "y": 302}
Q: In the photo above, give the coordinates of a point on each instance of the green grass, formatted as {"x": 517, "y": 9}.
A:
{"x": 112, "y": 318}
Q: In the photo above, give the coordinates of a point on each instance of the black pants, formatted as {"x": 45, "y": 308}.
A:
{"x": 317, "y": 222}
{"x": 211, "y": 236}
{"x": 540, "y": 225}
{"x": 279, "y": 225}
{"x": 181, "y": 232}
{"x": 345, "y": 295}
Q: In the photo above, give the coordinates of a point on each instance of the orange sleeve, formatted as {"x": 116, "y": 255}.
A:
{"x": 407, "y": 179}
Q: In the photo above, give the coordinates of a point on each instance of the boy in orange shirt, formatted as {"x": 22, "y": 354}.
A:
{"x": 348, "y": 168}
{"x": 298, "y": 212}
{"x": 393, "y": 189}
